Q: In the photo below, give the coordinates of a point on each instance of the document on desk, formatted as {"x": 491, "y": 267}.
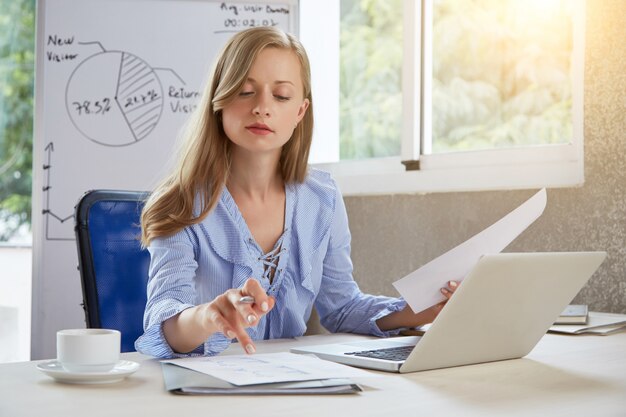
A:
{"x": 597, "y": 323}
{"x": 268, "y": 368}
{"x": 421, "y": 288}
{"x": 179, "y": 380}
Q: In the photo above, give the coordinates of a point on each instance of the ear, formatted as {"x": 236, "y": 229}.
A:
{"x": 302, "y": 110}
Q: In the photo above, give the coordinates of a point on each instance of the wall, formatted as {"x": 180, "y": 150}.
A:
{"x": 393, "y": 235}
{"x": 15, "y": 291}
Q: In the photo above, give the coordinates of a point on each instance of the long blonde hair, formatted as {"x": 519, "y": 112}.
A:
{"x": 204, "y": 163}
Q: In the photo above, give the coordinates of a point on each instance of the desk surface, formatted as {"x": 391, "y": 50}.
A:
{"x": 563, "y": 376}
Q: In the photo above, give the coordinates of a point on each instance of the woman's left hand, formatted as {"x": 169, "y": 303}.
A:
{"x": 430, "y": 314}
{"x": 406, "y": 317}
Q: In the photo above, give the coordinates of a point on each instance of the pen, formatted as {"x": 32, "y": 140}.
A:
{"x": 248, "y": 299}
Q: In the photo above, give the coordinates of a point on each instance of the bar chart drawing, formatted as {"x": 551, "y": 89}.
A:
{"x": 114, "y": 98}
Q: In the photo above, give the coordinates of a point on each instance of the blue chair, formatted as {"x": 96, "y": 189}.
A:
{"x": 113, "y": 267}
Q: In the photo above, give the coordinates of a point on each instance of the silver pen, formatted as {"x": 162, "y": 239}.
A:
{"x": 247, "y": 299}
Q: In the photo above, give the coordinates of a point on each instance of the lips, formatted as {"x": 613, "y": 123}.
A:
{"x": 259, "y": 129}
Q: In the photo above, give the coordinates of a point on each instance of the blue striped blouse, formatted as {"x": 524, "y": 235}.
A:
{"x": 313, "y": 268}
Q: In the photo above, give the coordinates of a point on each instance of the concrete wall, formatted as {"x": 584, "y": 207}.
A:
{"x": 393, "y": 235}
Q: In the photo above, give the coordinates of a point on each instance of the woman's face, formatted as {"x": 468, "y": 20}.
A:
{"x": 264, "y": 114}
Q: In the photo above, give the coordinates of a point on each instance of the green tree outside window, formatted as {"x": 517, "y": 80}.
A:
{"x": 17, "y": 51}
{"x": 370, "y": 78}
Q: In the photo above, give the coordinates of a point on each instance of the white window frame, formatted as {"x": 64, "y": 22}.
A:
{"x": 559, "y": 165}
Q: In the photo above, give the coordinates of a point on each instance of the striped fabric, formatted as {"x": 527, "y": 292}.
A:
{"x": 314, "y": 268}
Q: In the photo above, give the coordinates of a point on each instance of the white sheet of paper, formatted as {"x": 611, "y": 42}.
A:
{"x": 421, "y": 288}
{"x": 268, "y": 368}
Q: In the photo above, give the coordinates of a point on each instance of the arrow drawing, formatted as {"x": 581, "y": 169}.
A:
{"x": 46, "y": 189}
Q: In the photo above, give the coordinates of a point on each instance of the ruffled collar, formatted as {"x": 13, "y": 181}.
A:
{"x": 228, "y": 233}
{"x": 310, "y": 207}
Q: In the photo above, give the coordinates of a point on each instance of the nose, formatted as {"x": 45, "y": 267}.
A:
{"x": 262, "y": 105}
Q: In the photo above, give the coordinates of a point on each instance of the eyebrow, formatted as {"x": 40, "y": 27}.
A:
{"x": 275, "y": 82}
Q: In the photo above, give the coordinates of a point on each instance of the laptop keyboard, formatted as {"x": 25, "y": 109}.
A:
{"x": 398, "y": 354}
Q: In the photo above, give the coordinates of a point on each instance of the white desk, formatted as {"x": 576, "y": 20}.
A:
{"x": 563, "y": 376}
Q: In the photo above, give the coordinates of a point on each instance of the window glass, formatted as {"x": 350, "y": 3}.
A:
{"x": 17, "y": 31}
{"x": 500, "y": 73}
{"x": 370, "y": 78}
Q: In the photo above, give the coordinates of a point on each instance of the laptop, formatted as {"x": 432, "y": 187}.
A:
{"x": 500, "y": 311}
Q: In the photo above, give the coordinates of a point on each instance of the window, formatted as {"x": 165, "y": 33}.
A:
{"x": 370, "y": 73}
{"x": 17, "y": 36}
{"x": 490, "y": 97}
{"x": 497, "y": 74}
{"x": 17, "y": 31}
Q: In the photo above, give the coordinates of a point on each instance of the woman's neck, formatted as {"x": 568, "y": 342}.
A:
{"x": 255, "y": 178}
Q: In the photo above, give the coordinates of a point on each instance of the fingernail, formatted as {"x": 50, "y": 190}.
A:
{"x": 250, "y": 349}
{"x": 264, "y": 306}
{"x": 453, "y": 284}
{"x": 230, "y": 334}
{"x": 251, "y": 318}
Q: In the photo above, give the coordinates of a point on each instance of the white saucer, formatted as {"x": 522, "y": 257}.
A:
{"x": 121, "y": 370}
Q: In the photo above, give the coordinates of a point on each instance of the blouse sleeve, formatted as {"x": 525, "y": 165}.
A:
{"x": 340, "y": 303}
{"x": 171, "y": 289}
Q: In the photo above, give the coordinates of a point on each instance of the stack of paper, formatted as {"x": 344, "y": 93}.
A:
{"x": 272, "y": 373}
{"x": 597, "y": 323}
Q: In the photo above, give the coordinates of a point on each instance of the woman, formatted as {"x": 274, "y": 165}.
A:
{"x": 244, "y": 239}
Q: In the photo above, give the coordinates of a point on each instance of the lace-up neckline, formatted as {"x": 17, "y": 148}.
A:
{"x": 270, "y": 260}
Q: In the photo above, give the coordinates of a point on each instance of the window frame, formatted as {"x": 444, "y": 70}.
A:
{"x": 558, "y": 165}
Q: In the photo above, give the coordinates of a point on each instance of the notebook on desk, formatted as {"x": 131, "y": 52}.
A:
{"x": 500, "y": 311}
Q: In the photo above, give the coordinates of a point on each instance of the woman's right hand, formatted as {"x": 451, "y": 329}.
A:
{"x": 227, "y": 314}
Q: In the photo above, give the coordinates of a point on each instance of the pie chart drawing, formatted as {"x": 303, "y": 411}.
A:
{"x": 114, "y": 98}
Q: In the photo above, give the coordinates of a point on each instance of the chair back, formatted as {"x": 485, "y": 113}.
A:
{"x": 113, "y": 267}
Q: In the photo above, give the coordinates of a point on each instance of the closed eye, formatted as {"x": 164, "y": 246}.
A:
{"x": 246, "y": 93}
{"x": 282, "y": 98}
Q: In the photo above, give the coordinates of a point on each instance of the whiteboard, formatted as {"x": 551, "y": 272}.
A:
{"x": 115, "y": 82}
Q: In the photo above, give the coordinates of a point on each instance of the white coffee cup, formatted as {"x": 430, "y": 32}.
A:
{"x": 88, "y": 350}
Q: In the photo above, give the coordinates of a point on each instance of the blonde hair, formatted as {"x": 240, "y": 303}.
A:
{"x": 204, "y": 163}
